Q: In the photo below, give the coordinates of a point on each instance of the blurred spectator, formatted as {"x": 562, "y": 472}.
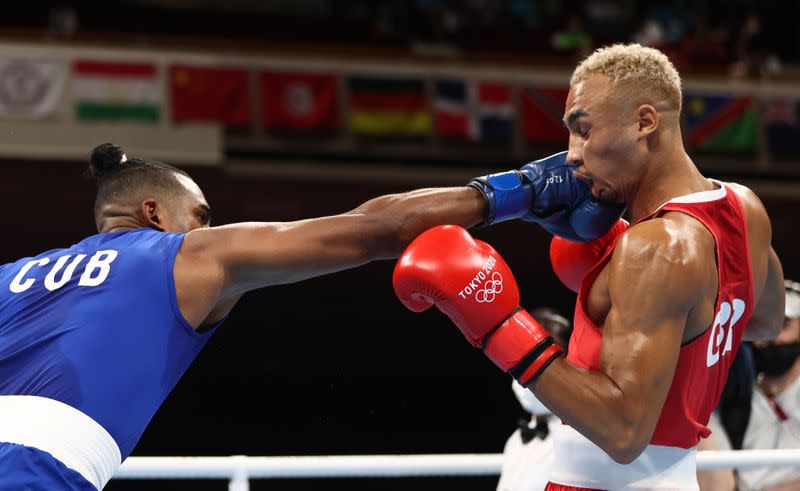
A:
{"x": 729, "y": 420}
{"x": 573, "y": 38}
{"x": 526, "y": 11}
{"x": 651, "y": 34}
{"x": 62, "y": 23}
{"x": 609, "y": 19}
{"x": 528, "y": 453}
{"x": 703, "y": 44}
{"x": 734, "y": 408}
{"x": 664, "y": 25}
{"x": 775, "y": 417}
{"x": 754, "y": 59}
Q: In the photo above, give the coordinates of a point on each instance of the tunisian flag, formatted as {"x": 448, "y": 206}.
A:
{"x": 299, "y": 101}
{"x": 209, "y": 94}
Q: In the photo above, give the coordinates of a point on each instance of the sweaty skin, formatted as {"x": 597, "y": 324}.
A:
{"x": 658, "y": 290}
{"x": 215, "y": 266}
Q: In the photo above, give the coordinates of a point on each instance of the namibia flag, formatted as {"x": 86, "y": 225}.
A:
{"x": 722, "y": 123}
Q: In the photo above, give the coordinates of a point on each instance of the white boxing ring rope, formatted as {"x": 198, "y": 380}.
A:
{"x": 239, "y": 468}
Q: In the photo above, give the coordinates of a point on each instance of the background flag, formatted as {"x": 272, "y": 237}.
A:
{"x": 299, "y": 100}
{"x": 203, "y": 94}
{"x": 474, "y": 110}
{"x": 782, "y": 126}
{"x": 388, "y": 107}
{"x": 720, "y": 122}
{"x": 105, "y": 90}
{"x": 542, "y": 113}
{"x": 30, "y": 88}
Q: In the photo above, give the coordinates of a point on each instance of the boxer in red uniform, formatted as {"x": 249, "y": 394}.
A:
{"x": 663, "y": 303}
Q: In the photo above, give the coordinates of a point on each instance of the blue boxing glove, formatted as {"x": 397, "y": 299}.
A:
{"x": 546, "y": 192}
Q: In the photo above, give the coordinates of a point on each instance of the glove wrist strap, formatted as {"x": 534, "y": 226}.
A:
{"x": 508, "y": 195}
{"x": 521, "y": 347}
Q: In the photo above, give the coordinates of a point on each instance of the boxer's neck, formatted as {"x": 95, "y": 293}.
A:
{"x": 670, "y": 173}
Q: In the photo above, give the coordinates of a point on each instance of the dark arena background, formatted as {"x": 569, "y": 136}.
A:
{"x": 283, "y": 110}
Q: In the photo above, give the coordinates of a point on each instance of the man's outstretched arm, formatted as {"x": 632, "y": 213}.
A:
{"x": 216, "y": 266}
{"x": 259, "y": 254}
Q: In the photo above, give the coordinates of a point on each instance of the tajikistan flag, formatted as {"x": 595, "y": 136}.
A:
{"x": 116, "y": 91}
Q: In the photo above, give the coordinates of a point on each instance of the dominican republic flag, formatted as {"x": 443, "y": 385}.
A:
{"x": 477, "y": 111}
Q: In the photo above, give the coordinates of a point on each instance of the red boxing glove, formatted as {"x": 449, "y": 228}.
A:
{"x": 469, "y": 281}
{"x": 572, "y": 261}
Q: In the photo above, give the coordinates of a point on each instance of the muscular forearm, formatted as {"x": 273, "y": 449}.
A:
{"x": 593, "y": 404}
{"x": 399, "y": 218}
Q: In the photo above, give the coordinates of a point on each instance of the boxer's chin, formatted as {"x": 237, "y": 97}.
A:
{"x": 607, "y": 196}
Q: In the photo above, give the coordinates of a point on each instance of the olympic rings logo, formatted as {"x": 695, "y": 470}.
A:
{"x": 490, "y": 289}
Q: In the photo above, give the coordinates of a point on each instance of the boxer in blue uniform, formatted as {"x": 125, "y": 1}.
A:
{"x": 94, "y": 336}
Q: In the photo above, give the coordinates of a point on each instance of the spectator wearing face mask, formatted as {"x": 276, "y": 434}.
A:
{"x": 528, "y": 453}
{"x": 775, "y": 409}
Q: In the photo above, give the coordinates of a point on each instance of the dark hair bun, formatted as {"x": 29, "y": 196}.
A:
{"x": 105, "y": 159}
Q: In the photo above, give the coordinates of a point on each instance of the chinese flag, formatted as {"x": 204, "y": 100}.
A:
{"x": 299, "y": 101}
{"x": 209, "y": 94}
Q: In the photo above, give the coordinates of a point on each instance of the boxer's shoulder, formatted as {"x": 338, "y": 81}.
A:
{"x": 758, "y": 222}
{"x": 676, "y": 236}
{"x": 754, "y": 209}
{"x": 672, "y": 251}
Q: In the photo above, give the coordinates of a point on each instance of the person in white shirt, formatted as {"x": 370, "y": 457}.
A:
{"x": 775, "y": 408}
{"x": 528, "y": 452}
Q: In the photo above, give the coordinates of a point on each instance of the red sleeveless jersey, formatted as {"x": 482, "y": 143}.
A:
{"x": 704, "y": 362}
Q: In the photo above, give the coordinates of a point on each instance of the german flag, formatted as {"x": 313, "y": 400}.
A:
{"x": 388, "y": 107}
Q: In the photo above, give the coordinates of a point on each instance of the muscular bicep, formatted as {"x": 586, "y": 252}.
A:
{"x": 767, "y": 318}
{"x": 254, "y": 255}
{"x": 655, "y": 278}
{"x": 215, "y": 266}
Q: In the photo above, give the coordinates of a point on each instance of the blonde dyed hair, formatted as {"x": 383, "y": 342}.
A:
{"x": 633, "y": 65}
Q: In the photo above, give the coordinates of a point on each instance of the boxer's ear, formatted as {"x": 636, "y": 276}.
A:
{"x": 151, "y": 214}
{"x": 648, "y": 119}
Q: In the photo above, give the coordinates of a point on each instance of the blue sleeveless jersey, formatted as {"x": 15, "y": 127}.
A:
{"x": 97, "y": 327}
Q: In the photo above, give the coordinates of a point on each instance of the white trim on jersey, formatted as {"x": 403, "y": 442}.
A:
{"x": 580, "y": 463}
{"x": 69, "y": 435}
{"x": 701, "y": 197}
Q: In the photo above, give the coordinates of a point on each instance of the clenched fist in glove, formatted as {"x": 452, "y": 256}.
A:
{"x": 546, "y": 191}
{"x": 469, "y": 281}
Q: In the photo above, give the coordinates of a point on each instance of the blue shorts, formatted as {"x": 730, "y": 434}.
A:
{"x": 31, "y": 469}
